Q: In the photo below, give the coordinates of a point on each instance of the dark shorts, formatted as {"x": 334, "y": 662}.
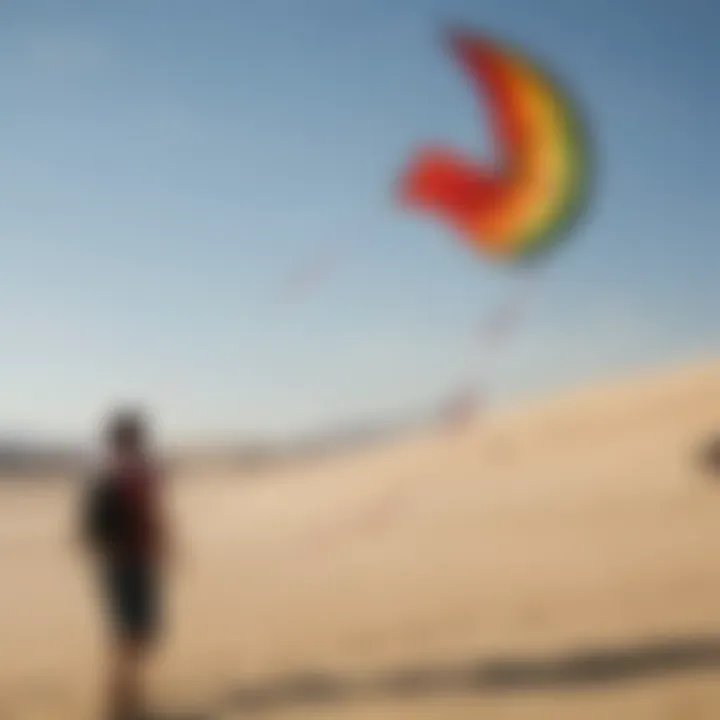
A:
{"x": 133, "y": 596}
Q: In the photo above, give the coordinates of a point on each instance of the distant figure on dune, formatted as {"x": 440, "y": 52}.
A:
{"x": 126, "y": 531}
{"x": 711, "y": 457}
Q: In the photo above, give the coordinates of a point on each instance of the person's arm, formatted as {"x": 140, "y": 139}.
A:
{"x": 164, "y": 518}
{"x": 86, "y": 529}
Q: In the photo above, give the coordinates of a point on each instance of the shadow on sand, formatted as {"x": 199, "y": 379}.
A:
{"x": 585, "y": 667}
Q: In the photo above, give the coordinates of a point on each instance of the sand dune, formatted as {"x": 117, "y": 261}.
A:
{"x": 557, "y": 561}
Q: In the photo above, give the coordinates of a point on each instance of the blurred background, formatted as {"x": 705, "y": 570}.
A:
{"x": 197, "y": 214}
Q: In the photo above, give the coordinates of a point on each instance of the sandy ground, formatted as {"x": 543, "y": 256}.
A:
{"x": 494, "y": 558}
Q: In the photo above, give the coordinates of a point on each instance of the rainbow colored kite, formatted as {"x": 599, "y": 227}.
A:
{"x": 521, "y": 206}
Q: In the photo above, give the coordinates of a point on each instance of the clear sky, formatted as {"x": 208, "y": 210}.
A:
{"x": 165, "y": 163}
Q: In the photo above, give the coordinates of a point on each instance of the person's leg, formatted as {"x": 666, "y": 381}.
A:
{"x": 134, "y": 617}
{"x": 125, "y": 688}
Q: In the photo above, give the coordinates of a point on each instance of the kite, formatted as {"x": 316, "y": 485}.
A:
{"x": 519, "y": 207}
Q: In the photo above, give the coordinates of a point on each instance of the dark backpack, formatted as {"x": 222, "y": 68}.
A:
{"x": 106, "y": 515}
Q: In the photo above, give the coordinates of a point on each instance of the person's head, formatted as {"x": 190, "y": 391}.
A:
{"x": 127, "y": 433}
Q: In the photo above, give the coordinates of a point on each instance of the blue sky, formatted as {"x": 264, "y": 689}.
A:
{"x": 165, "y": 163}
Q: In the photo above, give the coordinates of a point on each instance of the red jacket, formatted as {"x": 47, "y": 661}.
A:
{"x": 139, "y": 488}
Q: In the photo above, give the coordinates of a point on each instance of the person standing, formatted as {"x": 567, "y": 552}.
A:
{"x": 127, "y": 531}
